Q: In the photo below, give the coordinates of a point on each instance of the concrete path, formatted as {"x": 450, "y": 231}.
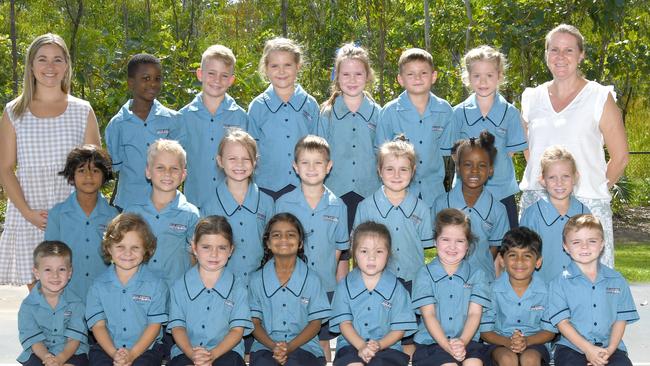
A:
{"x": 637, "y": 335}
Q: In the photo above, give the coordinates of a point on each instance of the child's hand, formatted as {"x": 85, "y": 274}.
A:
{"x": 518, "y": 342}
{"x": 51, "y": 360}
{"x": 200, "y": 356}
{"x": 122, "y": 357}
{"x": 457, "y": 349}
{"x": 368, "y": 351}
{"x": 280, "y": 352}
{"x": 37, "y": 218}
{"x": 596, "y": 356}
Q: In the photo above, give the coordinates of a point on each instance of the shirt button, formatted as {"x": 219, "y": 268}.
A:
{"x": 123, "y": 291}
{"x": 284, "y": 305}
{"x": 594, "y": 305}
{"x": 155, "y": 261}
{"x": 398, "y": 249}
{"x": 420, "y": 121}
{"x": 243, "y": 257}
{"x": 420, "y": 142}
{"x": 124, "y": 309}
{"x": 241, "y": 223}
{"x": 284, "y": 323}
{"x": 284, "y": 289}
{"x": 208, "y": 308}
{"x": 124, "y": 329}
{"x": 288, "y": 154}
{"x": 353, "y": 163}
{"x": 419, "y": 182}
{"x": 451, "y": 296}
{"x": 368, "y": 308}
{"x": 593, "y": 287}
{"x": 354, "y": 146}
{"x": 242, "y": 240}
{"x": 312, "y": 230}
{"x": 519, "y": 304}
{"x": 312, "y": 263}
{"x": 312, "y": 247}
{"x": 288, "y": 136}
{"x": 145, "y": 125}
{"x": 87, "y": 274}
{"x": 365, "y": 324}
{"x": 87, "y": 223}
{"x": 211, "y": 138}
{"x": 396, "y": 229}
{"x": 148, "y": 144}
{"x": 354, "y": 129}
{"x": 286, "y": 120}
{"x": 214, "y": 179}
{"x": 369, "y": 292}
{"x": 202, "y": 326}
{"x": 354, "y": 115}
{"x": 450, "y": 278}
{"x": 87, "y": 240}
{"x": 420, "y": 161}
{"x": 312, "y": 214}
{"x": 450, "y": 318}
{"x": 124, "y": 345}
{"x": 87, "y": 257}
{"x": 55, "y": 329}
{"x": 285, "y": 104}
{"x": 518, "y": 321}
{"x": 208, "y": 291}
{"x": 595, "y": 323}
{"x": 353, "y": 180}
{"x": 157, "y": 216}
{"x": 211, "y": 119}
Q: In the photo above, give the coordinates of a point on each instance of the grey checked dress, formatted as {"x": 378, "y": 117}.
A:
{"x": 42, "y": 146}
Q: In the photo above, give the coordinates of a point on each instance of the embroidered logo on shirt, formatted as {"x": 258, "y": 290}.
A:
{"x": 537, "y": 308}
{"x": 386, "y": 304}
{"x": 179, "y": 228}
{"x": 437, "y": 128}
{"x": 102, "y": 227}
{"x": 67, "y": 313}
{"x": 261, "y": 216}
{"x": 487, "y": 226}
{"x": 304, "y": 300}
{"x": 330, "y": 218}
{"x": 164, "y": 131}
{"x": 416, "y": 219}
{"x": 467, "y": 285}
{"x": 372, "y": 126}
{"x": 306, "y": 115}
{"x": 141, "y": 298}
{"x": 613, "y": 290}
{"x": 501, "y": 131}
{"x": 229, "y": 303}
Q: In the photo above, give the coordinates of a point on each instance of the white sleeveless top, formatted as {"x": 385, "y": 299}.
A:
{"x": 576, "y": 127}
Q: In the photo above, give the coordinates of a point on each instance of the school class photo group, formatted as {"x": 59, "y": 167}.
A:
{"x": 257, "y": 236}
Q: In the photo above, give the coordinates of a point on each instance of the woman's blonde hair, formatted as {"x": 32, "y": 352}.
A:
{"x": 349, "y": 51}
{"x": 23, "y": 101}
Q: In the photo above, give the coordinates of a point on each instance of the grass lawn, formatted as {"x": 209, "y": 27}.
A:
{"x": 632, "y": 260}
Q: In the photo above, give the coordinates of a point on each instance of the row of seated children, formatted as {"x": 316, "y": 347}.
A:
{"x": 209, "y": 310}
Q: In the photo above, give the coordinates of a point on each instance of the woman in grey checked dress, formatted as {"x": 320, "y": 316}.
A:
{"x": 37, "y": 131}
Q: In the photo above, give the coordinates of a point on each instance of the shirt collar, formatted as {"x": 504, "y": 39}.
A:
{"x": 483, "y": 205}
{"x": 274, "y": 103}
{"x": 296, "y": 281}
{"x": 142, "y": 275}
{"x": 496, "y": 115}
{"x": 178, "y": 201}
{"x": 550, "y": 214}
{"x": 35, "y": 297}
{"x": 227, "y": 104}
{"x": 366, "y": 109}
{"x": 604, "y": 272}
{"x": 536, "y": 285}
{"x": 72, "y": 205}
{"x": 435, "y": 104}
{"x": 385, "y": 287}
{"x": 437, "y": 271}
{"x": 157, "y": 109}
{"x": 194, "y": 284}
{"x": 298, "y": 197}
{"x": 383, "y": 205}
{"x": 251, "y": 201}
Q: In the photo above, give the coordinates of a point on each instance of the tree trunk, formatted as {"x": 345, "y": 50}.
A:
{"x": 125, "y": 20}
{"x": 283, "y": 16}
{"x": 75, "y": 16}
{"x": 468, "y": 32}
{"x": 14, "y": 48}
{"x": 427, "y": 26}
{"x": 382, "y": 50}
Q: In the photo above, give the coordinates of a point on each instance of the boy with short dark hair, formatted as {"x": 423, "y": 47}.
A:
{"x": 204, "y": 122}
{"x": 141, "y": 121}
{"x": 517, "y": 325}
{"x": 423, "y": 118}
{"x": 51, "y": 323}
{"x": 591, "y": 304}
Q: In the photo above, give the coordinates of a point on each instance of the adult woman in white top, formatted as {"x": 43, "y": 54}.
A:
{"x": 582, "y": 115}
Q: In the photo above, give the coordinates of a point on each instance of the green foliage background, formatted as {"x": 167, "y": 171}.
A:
{"x": 102, "y": 35}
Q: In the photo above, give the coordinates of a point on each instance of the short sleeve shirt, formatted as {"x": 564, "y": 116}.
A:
{"x": 247, "y": 220}
{"x": 410, "y": 229}
{"x": 208, "y": 314}
{"x": 127, "y": 140}
{"x": 430, "y": 134}
{"x": 509, "y": 312}
{"x": 285, "y": 310}
{"x": 489, "y": 224}
{"x": 277, "y": 126}
{"x": 67, "y": 222}
{"x": 173, "y": 227}
{"x": 591, "y": 307}
{"x": 504, "y": 123}
{"x": 543, "y": 218}
{"x": 127, "y": 309}
{"x": 39, "y": 322}
{"x": 201, "y": 135}
{"x": 451, "y": 296}
{"x": 326, "y": 231}
{"x": 375, "y": 313}
{"x": 351, "y": 136}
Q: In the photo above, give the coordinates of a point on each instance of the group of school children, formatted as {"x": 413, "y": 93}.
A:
{"x": 252, "y": 257}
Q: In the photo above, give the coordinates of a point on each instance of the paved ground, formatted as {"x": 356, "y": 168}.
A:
{"x": 637, "y": 336}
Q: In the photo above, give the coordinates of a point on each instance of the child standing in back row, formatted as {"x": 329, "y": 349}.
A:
{"x": 81, "y": 219}
{"x": 205, "y": 120}
{"x": 423, "y": 118}
{"x": 280, "y": 116}
{"x": 486, "y": 109}
{"x": 141, "y": 121}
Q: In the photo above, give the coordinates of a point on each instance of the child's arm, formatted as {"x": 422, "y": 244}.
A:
{"x": 495, "y": 338}
{"x": 471, "y": 324}
{"x": 69, "y": 350}
{"x": 618, "y": 328}
{"x": 232, "y": 338}
{"x": 351, "y": 335}
{"x": 103, "y": 338}
{"x": 146, "y": 339}
{"x": 390, "y": 339}
{"x": 183, "y": 341}
{"x": 41, "y": 351}
{"x": 541, "y": 337}
{"x": 596, "y": 355}
{"x": 309, "y": 332}
{"x": 261, "y": 335}
{"x": 433, "y": 326}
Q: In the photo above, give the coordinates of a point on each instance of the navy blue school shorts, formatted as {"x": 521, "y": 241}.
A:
{"x": 385, "y": 357}
{"x": 567, "y": 356}
{"x": 76, "y": 360}
{"x": 151, "y": 357}
{"x": 230, "y": 358}
{"x": 540, "y": 348}
{"x": 433, "y": 354}
{"x": 299, "y": 357}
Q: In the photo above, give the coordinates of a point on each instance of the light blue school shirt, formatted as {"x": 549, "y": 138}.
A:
{"x": 504, "y": 122}
{"x": 67, "y": 222}
{"x": 173, "y": 227}
{"x": 127, "y": 140}
{"x": 277, "y": 126}
{"x": 247, "y": 220}
{"x": 38, "y": 322}
{"x": 375, "y": 313}
{"x": 351, "y": 136}
{"x": 592, "y": 308}
{"x": 326, "y": 230}
{"x": 285, "y": 310}
{"x": 509, "y": 312}
{"x": 127, "y": 309}
{"x": 410, "y": 229}
{"x": 201, "y": 134}
{"x": 430, "y": 134}
{"x": 489, "y": 224}
{"x": 208, "y": 314}
{"x": 451, "y": 296}
{"x": 543, "y": 218}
